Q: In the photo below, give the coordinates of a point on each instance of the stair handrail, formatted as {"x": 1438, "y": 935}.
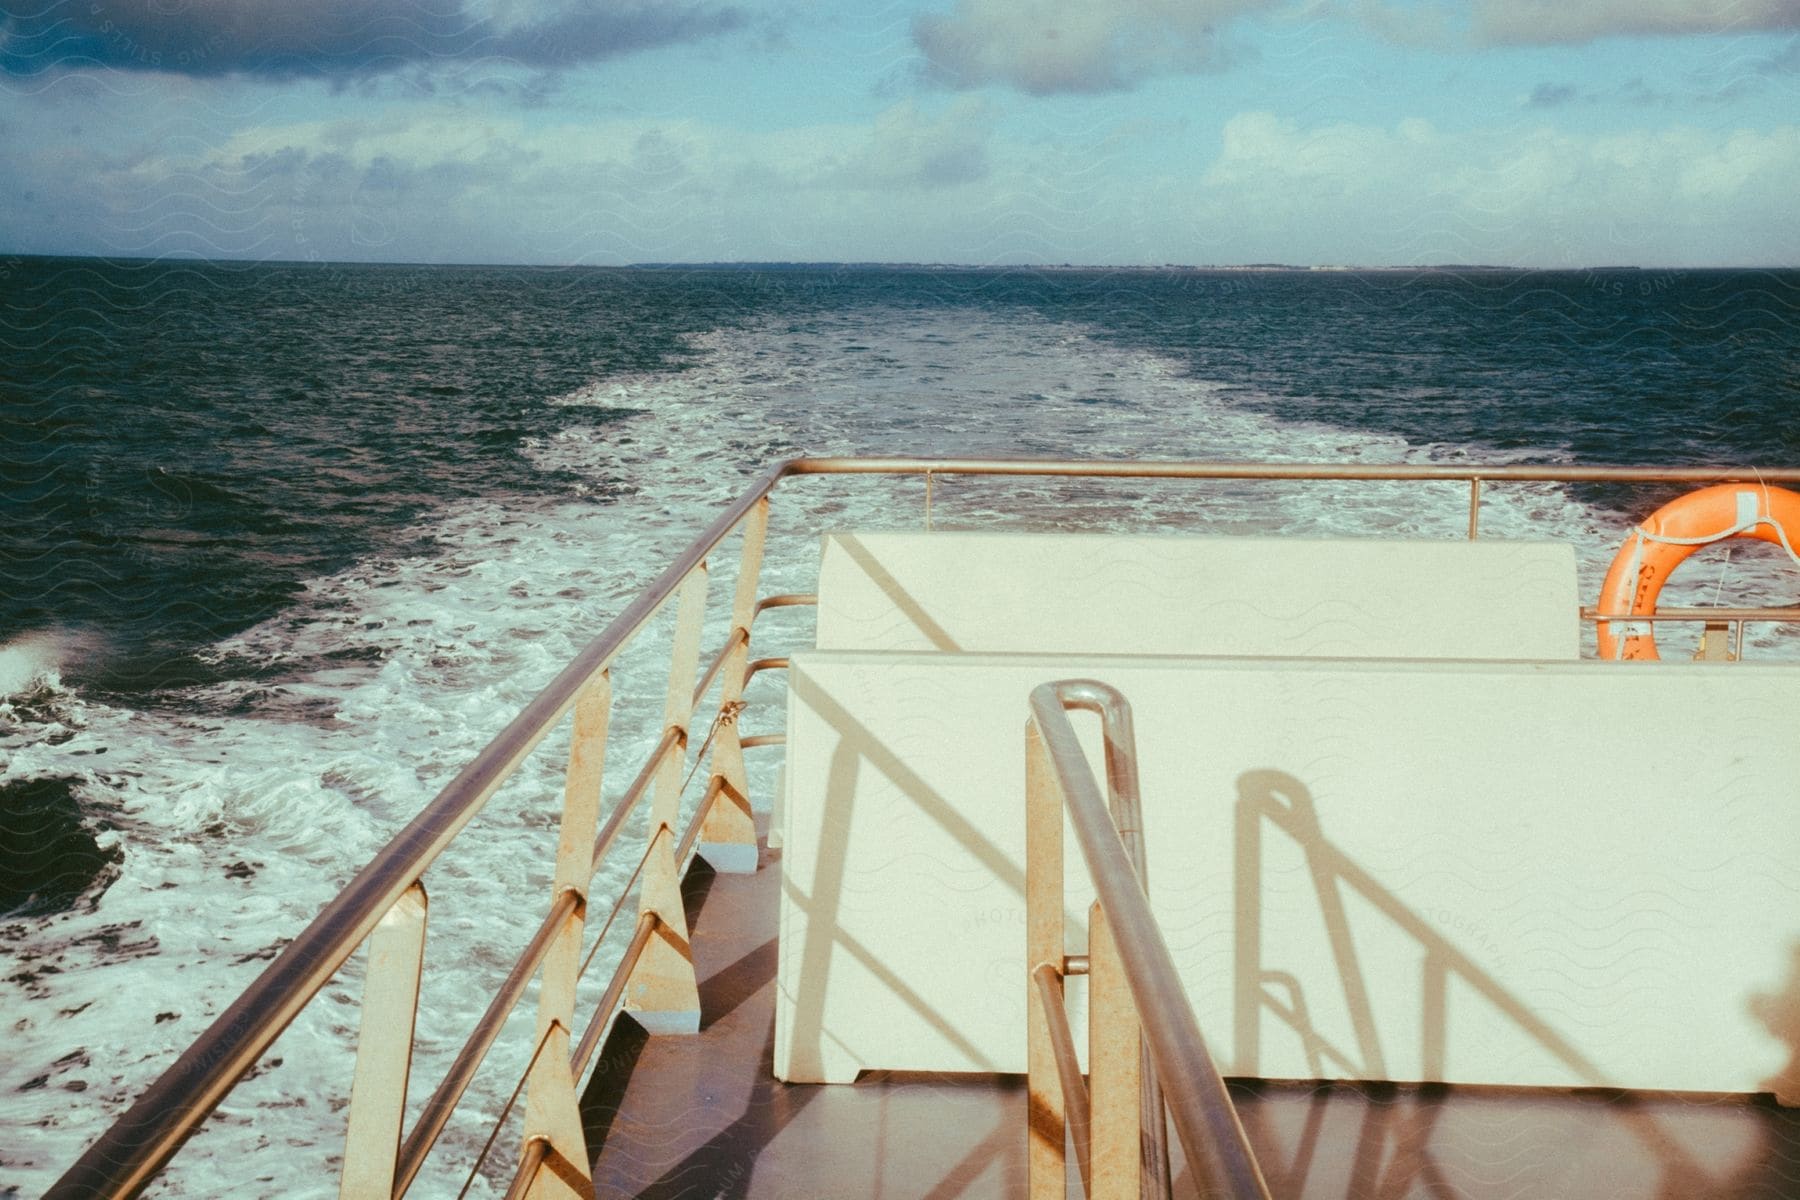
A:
{"x": 1059, "y": 779}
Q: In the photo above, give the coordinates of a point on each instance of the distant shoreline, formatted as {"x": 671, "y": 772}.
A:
{"x": 12, "y": 259}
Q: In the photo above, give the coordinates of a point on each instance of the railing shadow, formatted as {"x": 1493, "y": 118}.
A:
{"x": 1386, "y": 1158}
{"x": 1278, "y": 799}
{"x": 1373, "y": 1141}
{"x": 904, "y": 602}
{"x": 859, "y": 749}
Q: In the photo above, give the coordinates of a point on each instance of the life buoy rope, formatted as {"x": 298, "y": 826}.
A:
{"x": 1668, "y": 536}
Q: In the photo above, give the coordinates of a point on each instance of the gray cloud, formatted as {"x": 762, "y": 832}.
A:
{"x": 1551, "y": 95}
{"x": 1051, "y": 46}
{"x": 287, "y": 39}
{"x": 1636, "y": 92}
{"x": 1550, "y": 22}
{"x": 1454, "y": 24}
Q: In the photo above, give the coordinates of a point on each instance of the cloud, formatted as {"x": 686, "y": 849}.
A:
{"x": 1050, "y": 46}
{"x": 1542, "y": 197}
{"x": 929, "y": 180}
{"x": 1636, "y": 92}
{"x": 287, "y": 39}
{"x": 439, "y": 183}
{"x": 1548, "y": 22}
{"x": 909, "y": 149}
{"x": 1428, "y": 25}
{"x": 1551, "y": 95}
{"x": 1453, "y": 24}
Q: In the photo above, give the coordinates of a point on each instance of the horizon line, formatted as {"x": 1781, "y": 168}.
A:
{"x": 866, "y": 264}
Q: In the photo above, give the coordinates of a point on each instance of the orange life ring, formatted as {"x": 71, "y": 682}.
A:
{"x": 1669, "y": 535}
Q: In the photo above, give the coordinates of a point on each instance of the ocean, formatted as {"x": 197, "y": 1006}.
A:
{"x": 285, "y": 544}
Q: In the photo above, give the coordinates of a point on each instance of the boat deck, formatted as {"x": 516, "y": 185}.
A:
{"x": 703, "y": 1116}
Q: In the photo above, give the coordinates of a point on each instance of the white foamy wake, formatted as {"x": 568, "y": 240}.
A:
{"x": 33, "y": 660}
{"x": 242, "y": 812}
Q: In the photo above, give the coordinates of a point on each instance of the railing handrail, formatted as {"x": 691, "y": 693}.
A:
{"x": 1200, "y": 1108}
{"x": 1199, "y": 469}
{"x": 124, "y": 1158}
{"x": 1125, "y": 802}
{"x": 142, "y": 1139}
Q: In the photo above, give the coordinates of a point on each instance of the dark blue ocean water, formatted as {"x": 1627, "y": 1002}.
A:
{"x": 185, "y": 443}
{"x": 282, "y": 545}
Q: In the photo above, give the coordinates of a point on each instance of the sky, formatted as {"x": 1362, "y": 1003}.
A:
{"x": 1547, "y": 133}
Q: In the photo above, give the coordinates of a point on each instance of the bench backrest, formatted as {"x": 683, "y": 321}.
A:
{"x": 1555, "y": 873}
{"x": 1107, "y": 594}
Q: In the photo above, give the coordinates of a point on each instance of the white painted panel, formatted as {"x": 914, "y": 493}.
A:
{"x": 1562, "y": 873}
{"x": 1106, "y": 594}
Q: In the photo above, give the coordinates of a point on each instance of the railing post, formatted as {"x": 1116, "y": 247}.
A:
{"x": 728, "y": 831}
{"x": 552, "y": 1114}
{"x": 663, "y": 995}
{"x": 1115, "y": 1064}
{"x": 1047, "y": 1166}
{"x": 1246, "y": 967}
{"x": 1715, "y": 642}
{"x": 1434, "y": 987}
{"x": 384, "y": 1046}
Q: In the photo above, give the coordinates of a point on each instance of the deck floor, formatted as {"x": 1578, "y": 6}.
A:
{"x": 703, "y": 1117}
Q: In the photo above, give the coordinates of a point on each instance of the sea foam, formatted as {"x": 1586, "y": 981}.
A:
{"x": 32, "y": 660}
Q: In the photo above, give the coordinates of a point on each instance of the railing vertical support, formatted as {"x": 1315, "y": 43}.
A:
{"x": 1434, "y": 987}
{"x": 728, "y": 831}
{"x": 663, "y": 995}
{"x": 384, "y": 1047}
{"x": 684, "y": 667}
{"x": 1115, "y": 1064}
{"x": 1047, "y": 1166}
{"x": 1474, "y": 507}
{"x": 1248, "y": 999}
{"x": 552, "y": 1114}
{"x": 1715, "y": 642}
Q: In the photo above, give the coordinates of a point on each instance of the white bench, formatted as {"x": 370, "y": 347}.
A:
{"x": 1107, "y": 594}
{"x": 1554, "y": 874}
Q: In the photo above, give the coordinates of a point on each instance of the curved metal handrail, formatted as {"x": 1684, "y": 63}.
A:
{"x": 1200, "y": 1108}
{"x": 1125, "y": 802}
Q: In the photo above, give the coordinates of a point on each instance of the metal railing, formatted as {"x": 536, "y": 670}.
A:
{"x": 386, "y": 898}
{"x": 1730, "y": 621}
{"x": 385, "y": 903}
{"x": 1143, "y": 1040}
